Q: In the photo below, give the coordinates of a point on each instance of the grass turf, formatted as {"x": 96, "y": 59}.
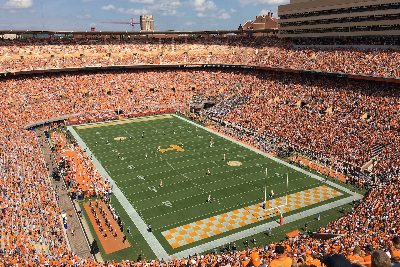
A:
{"x": 182, "y": 198}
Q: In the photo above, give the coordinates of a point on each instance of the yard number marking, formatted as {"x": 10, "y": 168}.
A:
{"x": 167, "y": 203}
{"x": 152, "y": 188}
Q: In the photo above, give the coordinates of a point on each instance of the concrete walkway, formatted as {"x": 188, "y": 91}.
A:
{"x": 78, "y": 243}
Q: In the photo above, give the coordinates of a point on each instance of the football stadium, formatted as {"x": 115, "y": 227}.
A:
{"x": 251, "y": 147}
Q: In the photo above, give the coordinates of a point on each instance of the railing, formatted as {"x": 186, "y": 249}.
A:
{"x": 207, "y": 65}
{"x": 99, "y": 112}
{"x": 43, "y": 122}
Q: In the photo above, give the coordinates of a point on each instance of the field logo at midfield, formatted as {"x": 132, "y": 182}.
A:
{"x": 119, "y": 138}
{"x": 109, "y": 123}
{"x": 234, "y": 163}
{"x": 172, "y": 147}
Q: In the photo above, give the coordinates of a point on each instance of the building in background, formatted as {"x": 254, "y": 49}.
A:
{"x": 8, "y": 36}
{"x": 147, "y": 23}
{"x": 340, "y": 18}
{"x": 262, "y": 22}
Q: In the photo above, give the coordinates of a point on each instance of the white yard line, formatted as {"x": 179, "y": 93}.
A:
{"x": 170, "y": 165}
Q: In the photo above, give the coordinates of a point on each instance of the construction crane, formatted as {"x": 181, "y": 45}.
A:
{"x": 130, "y": 23}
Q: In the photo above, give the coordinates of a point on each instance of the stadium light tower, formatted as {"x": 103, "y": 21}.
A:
{"x": 130, "y": 23}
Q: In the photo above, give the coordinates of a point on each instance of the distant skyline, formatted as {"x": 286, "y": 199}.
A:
{"x": 178, "y": 15}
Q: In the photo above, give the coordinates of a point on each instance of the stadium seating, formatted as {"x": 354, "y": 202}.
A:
{"x": 27, "y": 54}
{"x": 247, "y": 98}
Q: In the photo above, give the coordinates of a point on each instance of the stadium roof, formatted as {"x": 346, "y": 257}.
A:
{"x": 19, "y": 32}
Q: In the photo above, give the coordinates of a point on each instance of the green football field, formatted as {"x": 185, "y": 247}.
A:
{"x": 182, "y": 221}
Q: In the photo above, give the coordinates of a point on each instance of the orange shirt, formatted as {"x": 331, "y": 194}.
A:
{"x": 353, "y": 258}
{"x": 281, "y": 261}
{"x": 314, "y": 262}
{"x": 395, "y": 253}
{"x": 367, "y": 258}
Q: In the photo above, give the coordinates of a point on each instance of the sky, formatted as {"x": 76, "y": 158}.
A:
{"x": 178, "y": 15}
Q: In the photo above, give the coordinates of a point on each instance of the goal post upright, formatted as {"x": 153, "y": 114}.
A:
{"x": 265, "y": 188}
{"x": 287, "y": 184}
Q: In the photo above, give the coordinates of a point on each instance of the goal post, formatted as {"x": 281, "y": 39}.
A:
{"x": 287, "y": 185}
{"x": 265, "y": 190}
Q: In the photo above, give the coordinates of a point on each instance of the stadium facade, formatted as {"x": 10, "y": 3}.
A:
{"x": 323, "y": 18}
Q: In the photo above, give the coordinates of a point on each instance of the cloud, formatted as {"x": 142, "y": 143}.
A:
{"x": 164, "y": 5}
{"x": 142, "y": 1}
{"x": 133, "y": 11}
{"x": 109, "y": 7}
{"x": 202, "y": 5}
{"x": 201, "y": 15}
{"x": 189, "y": 23}
{"x": 84, "y": 1}
{"x": 173, "y": 13}
{"x": 85, "y": 16}
{"x": 224, "y": 15}
{"x": 233, "y": 10}
{"x": 263, "y": 12}
{"x": 92, "y": 24}
{"x": 18, "y": 4}
{"x": 16, "y": 11}
{"x": 169, "y": 6}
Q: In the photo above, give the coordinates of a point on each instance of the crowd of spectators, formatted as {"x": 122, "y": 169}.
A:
{"x": 262, "y": 51}
{"x": 248, "y": 99}
{"x": 29, "y": 214}
{"x": 273, "y": 103}
{"x": 84, "y": 179}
